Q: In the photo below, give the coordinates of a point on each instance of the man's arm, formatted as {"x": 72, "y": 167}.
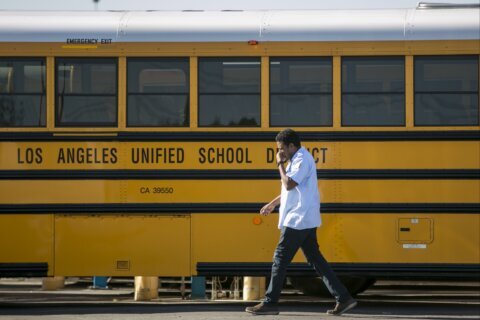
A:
{"x": 269, "y": 207}
{"x": 287, "y": 182}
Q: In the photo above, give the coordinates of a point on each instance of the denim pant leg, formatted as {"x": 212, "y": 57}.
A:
{"x": 288, "y": 245}
{"x": 315, "y": 258}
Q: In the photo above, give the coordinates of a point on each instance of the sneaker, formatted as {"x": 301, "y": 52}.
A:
{"x": 342, "y": 307}
{"x": 263, "y": 309}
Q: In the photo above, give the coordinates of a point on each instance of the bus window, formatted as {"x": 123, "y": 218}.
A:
{"x": 446, "y": 91}
{"x": 86, "y": 92}
{"x": 158, "y": 92}
{"x": 229, "y": 92}
{"x": 373, "y": 91}
{"x": 301, "y": 92}
{"x": 22, "y": 92}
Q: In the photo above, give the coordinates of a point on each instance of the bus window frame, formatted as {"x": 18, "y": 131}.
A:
{"x": 440, "y": 126}
{"x": 259, "y": 125}
{"x": 404, "y": 125}
{"x": 187, "y": 94}
{"x": 44, "y": 93}
{"x": 115, "y": 125}
{"x": 331, "y": 93}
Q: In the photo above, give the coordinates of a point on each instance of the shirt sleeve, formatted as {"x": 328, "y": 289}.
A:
{"x": 298, "y": 170}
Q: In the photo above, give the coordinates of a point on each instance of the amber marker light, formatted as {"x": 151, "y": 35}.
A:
{"x": 257, "y": 221}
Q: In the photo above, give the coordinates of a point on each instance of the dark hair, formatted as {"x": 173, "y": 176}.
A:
{"x": 288, "y": 136}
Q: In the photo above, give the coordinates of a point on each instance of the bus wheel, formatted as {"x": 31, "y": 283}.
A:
{"x": 316, "y": 287}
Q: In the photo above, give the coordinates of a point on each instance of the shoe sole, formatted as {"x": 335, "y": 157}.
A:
{"x": 270, "y": 313}
{"x": 353, "y": 305}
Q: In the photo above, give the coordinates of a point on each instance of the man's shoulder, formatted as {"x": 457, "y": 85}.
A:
{"x": 302, "y": 160}
{"x": 304, "y": 155}
{"x": 301, "y": 152}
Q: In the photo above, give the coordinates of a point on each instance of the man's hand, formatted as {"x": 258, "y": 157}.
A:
{"x": 281, "y": 158}
{"x": 267, "y": 209}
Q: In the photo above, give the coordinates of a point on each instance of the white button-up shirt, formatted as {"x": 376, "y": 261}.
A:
{"x": 300, "y": 207}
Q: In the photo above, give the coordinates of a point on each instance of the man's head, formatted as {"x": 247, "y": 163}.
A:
{"x": 288, "y": 142}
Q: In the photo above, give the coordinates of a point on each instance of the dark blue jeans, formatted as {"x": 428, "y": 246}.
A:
{"x": 290, "y": 241}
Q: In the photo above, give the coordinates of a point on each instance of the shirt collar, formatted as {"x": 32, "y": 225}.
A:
{"x": 293, "y": 158}
{"x": 296, "y": 154}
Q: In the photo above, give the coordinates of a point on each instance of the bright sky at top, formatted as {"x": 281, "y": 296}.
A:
{"x": 210, "y": 4}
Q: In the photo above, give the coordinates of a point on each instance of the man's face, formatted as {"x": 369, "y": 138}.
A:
{"x": 287, "y": 150}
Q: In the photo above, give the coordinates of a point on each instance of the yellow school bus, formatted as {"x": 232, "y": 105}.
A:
{"x": 142, "y": 143}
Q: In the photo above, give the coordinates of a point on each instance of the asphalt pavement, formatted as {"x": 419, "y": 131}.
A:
{"x": 24, "y": 299}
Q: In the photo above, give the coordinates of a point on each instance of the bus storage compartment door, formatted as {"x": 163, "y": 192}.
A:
{"x": 26, "y": 245}
{"x": 122, "y": 245}
{"x": 415, "y": 230}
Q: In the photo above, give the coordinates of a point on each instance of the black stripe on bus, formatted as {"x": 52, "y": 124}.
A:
{"x": 373, "y": 270}
{"x": 464, "y": 135}
{"x": 254, "y": 174}
{"x": 187, "y": 208}
{"x": 28, "y": 269}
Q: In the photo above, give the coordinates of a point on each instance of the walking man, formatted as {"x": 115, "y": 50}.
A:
{"x": 298, "y": 221}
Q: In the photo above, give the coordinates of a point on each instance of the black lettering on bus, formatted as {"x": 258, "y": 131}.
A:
{"x": 90, "y": 155}
{"x": 39, "y": 157}
{"x": 171, "y": 155}
{"x": 61, "y": 156}
{"x": 202, "y": 158}
{"x": 231, "y": 155}
{"x": 247, "y": 159}
{"x": 82, "y": 41}
{"x": 87, "y": 155}
{"x": 19, "y": 156}
{"x": 70, "y": 155}
{"x": 270, "y": 155}
{"x": 157, "y": 155}
{"x": 180, "y": 155}
{"x": 105, "y": 158}
{"x": 80, "y": 155}
{"x": 314, "y": 153}
{"x": 29, "y": 156}
{"x": 113, "y": 155}
{"x": 145, "y": 155}
{"x": 220, "y": 155}
{"x": 224, "y": 155}
{"x": 97, "y": 155}
{"x": 324, "y": 154}
{"x": 135, "y": 157}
